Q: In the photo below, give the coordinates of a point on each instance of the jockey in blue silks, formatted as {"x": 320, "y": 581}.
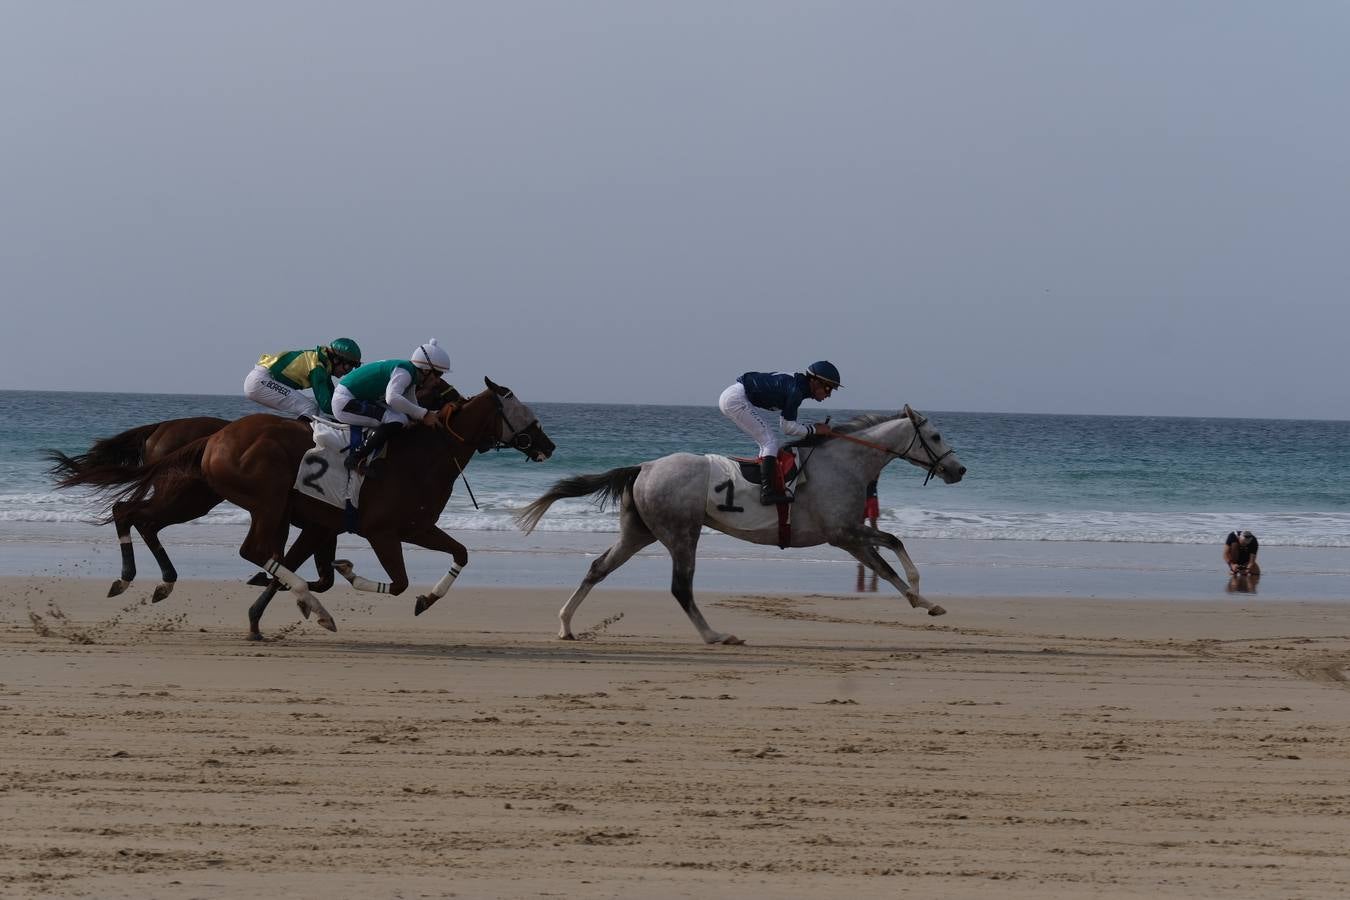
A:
{"x": 784, "y": 393}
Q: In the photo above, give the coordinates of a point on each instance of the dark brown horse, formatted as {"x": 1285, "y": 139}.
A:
{"x": 252, "y": 462}
{"x": 110, "y": 460}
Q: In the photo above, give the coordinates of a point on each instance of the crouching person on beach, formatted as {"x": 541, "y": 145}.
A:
{"x": 1239, "y": 552}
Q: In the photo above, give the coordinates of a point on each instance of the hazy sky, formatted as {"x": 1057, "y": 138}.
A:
{"x": 1124, "y": 207}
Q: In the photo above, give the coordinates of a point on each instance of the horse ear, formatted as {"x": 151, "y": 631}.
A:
{"x": 488, "y": 381}
{"x": 908, "y": 412}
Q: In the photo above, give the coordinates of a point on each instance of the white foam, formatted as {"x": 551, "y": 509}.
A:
{"x": 497, "y": 510}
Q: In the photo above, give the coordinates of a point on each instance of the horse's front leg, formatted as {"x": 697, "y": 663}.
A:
{"x": 858, "y": 543}
{"x": 897, "y": 546}
{"x": 389, "y": 551}
{"x": 433, "y": 538}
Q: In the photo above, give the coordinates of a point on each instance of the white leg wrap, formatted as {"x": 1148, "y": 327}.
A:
{"x": 286, "y": 577}
{"x": 124, "y": 539}
{"x": 448, "y": 579}
{"x": 365, "y": 584}
{"x": 361, "y": 584}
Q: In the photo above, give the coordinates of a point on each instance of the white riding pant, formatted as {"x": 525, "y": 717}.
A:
{"x": 343, "y": 397}
{"x": 738, "y": 408}
{"x": 261, "y": 387}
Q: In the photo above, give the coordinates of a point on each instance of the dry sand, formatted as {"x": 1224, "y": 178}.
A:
{"x": 854, "y": 748}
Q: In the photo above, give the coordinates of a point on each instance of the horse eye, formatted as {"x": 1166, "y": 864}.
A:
{"x": 936, "y": 436}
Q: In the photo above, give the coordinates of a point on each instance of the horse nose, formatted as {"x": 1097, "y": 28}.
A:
{"x": 961, "y": 472}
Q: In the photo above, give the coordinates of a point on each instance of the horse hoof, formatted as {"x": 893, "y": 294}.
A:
{"x": 937, "y": 611}
{"x": 260, "y": 579}
{"x": 344, "y": 568}
{"x": 161, "y": 592}
{"x": 733, "y": 641}
{"x": 118, "y": 587}
{"x": 255, "y": 636}
{"x": 424, "y": 603}
{"x": 304, "y": 607}
{"x": 327, "y": 622}
{"x": 569, "y": 636}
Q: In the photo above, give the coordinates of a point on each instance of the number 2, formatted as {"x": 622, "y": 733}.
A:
{"x": 320, "y": 466}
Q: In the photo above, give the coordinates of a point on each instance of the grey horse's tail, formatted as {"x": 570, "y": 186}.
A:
{"x": 610, "y": 486}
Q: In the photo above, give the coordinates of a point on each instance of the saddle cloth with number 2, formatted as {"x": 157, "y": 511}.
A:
{"x": 733, "y": 501}
{"x": 323, "y": 472}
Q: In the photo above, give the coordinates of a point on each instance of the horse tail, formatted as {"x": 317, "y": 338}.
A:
{"x": 104, "y": 462}
{"x": 609, "y": 486}
{"x": 162, "y": 478}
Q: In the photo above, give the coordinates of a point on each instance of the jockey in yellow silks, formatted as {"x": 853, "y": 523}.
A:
{"x": 279, "y": 378}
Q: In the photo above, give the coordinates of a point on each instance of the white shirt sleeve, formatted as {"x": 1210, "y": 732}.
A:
{"x": 401, "y": 396}
{"x": 793, "y": 429}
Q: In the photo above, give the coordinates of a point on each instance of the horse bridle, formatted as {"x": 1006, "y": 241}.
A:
{"x": 934, "y": 458}
{"x": 518, "y": 439}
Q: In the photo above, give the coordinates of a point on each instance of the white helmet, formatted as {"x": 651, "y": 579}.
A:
{"x": 431, "y": 355}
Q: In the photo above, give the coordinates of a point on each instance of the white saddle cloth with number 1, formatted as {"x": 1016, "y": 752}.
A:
{"x": 323, "y": 469}
{"x": 733, "y": 500}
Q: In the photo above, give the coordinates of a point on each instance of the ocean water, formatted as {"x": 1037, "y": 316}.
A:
{"x": 1110, "y": 479}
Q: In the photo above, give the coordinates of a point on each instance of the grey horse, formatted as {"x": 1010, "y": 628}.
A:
{"x": 665, "y": 500}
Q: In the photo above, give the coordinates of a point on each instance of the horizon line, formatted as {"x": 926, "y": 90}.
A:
{"x": 977, "y": 412}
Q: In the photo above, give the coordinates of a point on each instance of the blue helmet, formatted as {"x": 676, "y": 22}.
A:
{"x": 826, "y": 372}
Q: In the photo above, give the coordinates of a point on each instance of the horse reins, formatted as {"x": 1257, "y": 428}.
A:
{"x": 514, "y": 440}
{"x": 934, "y": 458}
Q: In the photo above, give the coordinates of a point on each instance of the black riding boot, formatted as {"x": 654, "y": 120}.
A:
{"x": 373, "y": 443}
{"x": 767, "y": 495}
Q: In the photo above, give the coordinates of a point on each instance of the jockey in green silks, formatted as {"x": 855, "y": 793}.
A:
{"x": 383, "y": 395}
{"x": 278, "y": 379}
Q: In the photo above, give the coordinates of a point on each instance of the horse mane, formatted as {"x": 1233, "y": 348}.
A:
{"x": 857, "y": 423}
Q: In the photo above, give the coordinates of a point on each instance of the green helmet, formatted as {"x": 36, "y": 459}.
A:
{"x": 346, "y": 349}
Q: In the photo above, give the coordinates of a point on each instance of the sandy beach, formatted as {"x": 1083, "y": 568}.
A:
{"x": 1018, "y": 747}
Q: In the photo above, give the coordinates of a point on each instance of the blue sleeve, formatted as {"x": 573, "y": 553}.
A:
{"x": 792, "y": 399}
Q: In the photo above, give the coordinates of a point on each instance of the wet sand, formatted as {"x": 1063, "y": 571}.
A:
{"x": 1024, "y": 747}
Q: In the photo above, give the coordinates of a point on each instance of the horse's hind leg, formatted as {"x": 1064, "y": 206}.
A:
{"x": 323, "y": 550}
{"x": 682, "y": 554}
{"x": 190, "y": 501}
{"x": 140, "y": 516}
{"x": 633, "y": 536}
{"x": 264, "y": 547}
{"x": 167, "y": 573}
{"x": 120, "y": 513}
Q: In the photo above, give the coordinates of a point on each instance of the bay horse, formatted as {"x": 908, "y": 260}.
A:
{"x": 665, "y": 500}
{"x": 110, "y": 462}
{"x": 252, "y": 462}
